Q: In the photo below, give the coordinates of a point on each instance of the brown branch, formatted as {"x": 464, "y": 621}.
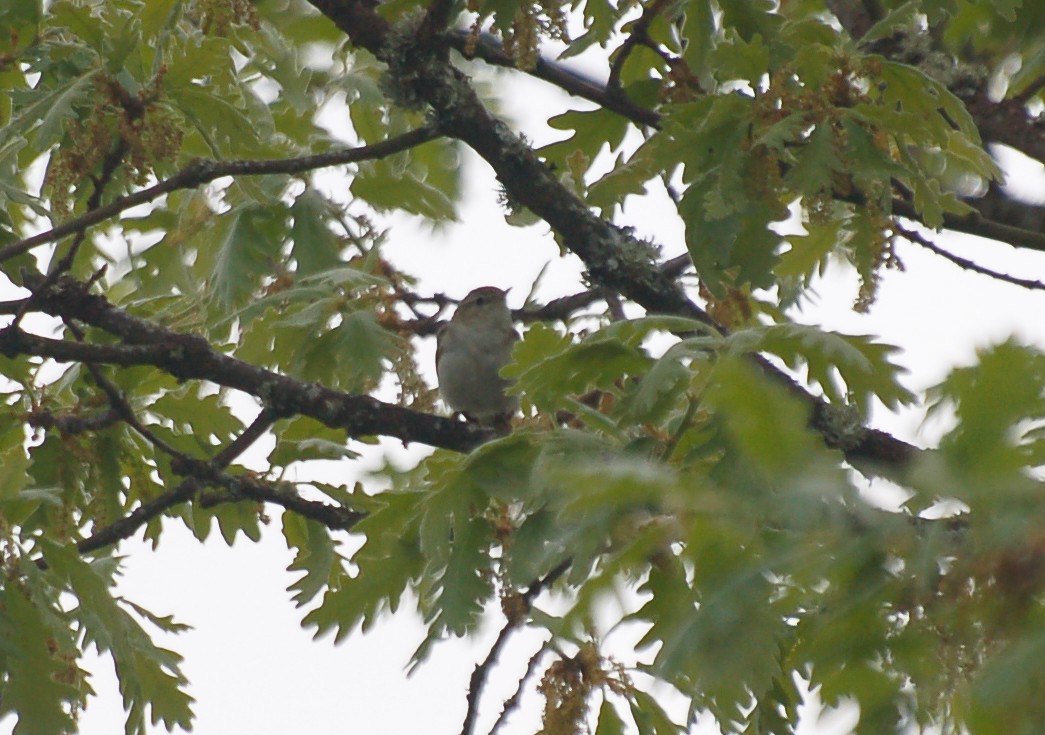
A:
{"x": 437, "y": 17}
{"x": 489, "y": 50}
{"x": 125, "y": 527}
{"x": 559, "y": 309}
{"x": 512, "y": 703}
{"x": 187, "y": 356}
{"x": 965, "y": 263}
{"x": 200, "y": 172}
{"x": 244, "y": 487}
{"x": 639, "y": 35}
{"x": 200, "y": 473}
{"x": 72, "y": 423}
{"x": 999, "y": 205}
{"x": 975, "y": 224}
{"x": 477, "y": 681}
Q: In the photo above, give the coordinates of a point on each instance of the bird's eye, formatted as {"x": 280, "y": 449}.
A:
{"x": 481, "y": 300}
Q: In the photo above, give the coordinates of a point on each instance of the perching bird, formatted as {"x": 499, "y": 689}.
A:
{"x": 472, "y": 348}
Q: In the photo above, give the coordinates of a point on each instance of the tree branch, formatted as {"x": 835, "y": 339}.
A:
{"x": 187, "y": 356}
{"x": 489, "y": 50}
{"x": 125, "y": 527}
{"x": 200, "y": 172}
{"x": 200, "y": 473}
{"x": 639, "y": 36}
{"x": 512, "y": 703}
{"x": 522, "y": 606}
{"x": 614, "y": 258}
{"x": 969, "y": 265}
{"x": 975, "y": 224}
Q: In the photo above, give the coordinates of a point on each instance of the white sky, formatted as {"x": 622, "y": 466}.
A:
{"x": 253, "y": 669}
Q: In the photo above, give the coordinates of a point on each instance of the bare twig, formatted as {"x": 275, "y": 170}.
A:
{"x": 965, "y": 263}
{"x": 477, "y": 681}
{"x": 512, "y": 703}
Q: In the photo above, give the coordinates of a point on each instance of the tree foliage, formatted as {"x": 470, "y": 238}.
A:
{"x": 171, "y": 260}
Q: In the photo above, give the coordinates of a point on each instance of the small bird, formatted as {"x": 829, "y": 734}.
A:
{"x": 471, "y": 349}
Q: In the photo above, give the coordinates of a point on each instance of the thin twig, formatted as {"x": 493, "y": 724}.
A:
{"x": 116, "y": 398}
{"x": 200, "y": 172}
{"x": 477, "y": 681}
{"x": 62, "y": 265}
{"x": 512, "y": 703}
{"x": 489, "y": 50}
{"x": 965, "y": 263}
{"x": 639, "y": 36}
{"x": 71, "y": 423}
{"x": 561, "y": 308}
{"x": 125, "y": 527}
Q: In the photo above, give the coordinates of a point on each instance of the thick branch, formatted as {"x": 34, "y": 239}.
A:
{"x": 191, "y": 357}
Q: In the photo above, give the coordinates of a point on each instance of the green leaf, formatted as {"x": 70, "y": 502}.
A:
{"x": 303, "y": 439}
{"x": 592, "y": 130}
{"x": 316, "y": 249}
{"x": 809, "y": 253}
{"x": 988, "y": 446}
{"x": 650, "y": 717}
{"x": 863, "y": 365}
{"x": 316, "y": 557}
{"x": 1006, "y": 696}
{"x": 609, "y": 722}
{"x": 766, "y": 425}
{"x": 19, "y": 22}
{"x": 48, "y": 112}
{"x": 388, "y": 186}
{"x": 455, "y": 538}
{"x": 36, "y": 684}
{"x": 150, "y": 677}
{"x": 350, "y": 356}
{"x": 918, "y": 93}
{"x": 236, "y": 518}
{"x": 816, "y": 163}
{"x": 600, "y": 17}
{"x": 387, "y": 562}
{"x": 246, "y": 255}
{"x": 549, "y": 367}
